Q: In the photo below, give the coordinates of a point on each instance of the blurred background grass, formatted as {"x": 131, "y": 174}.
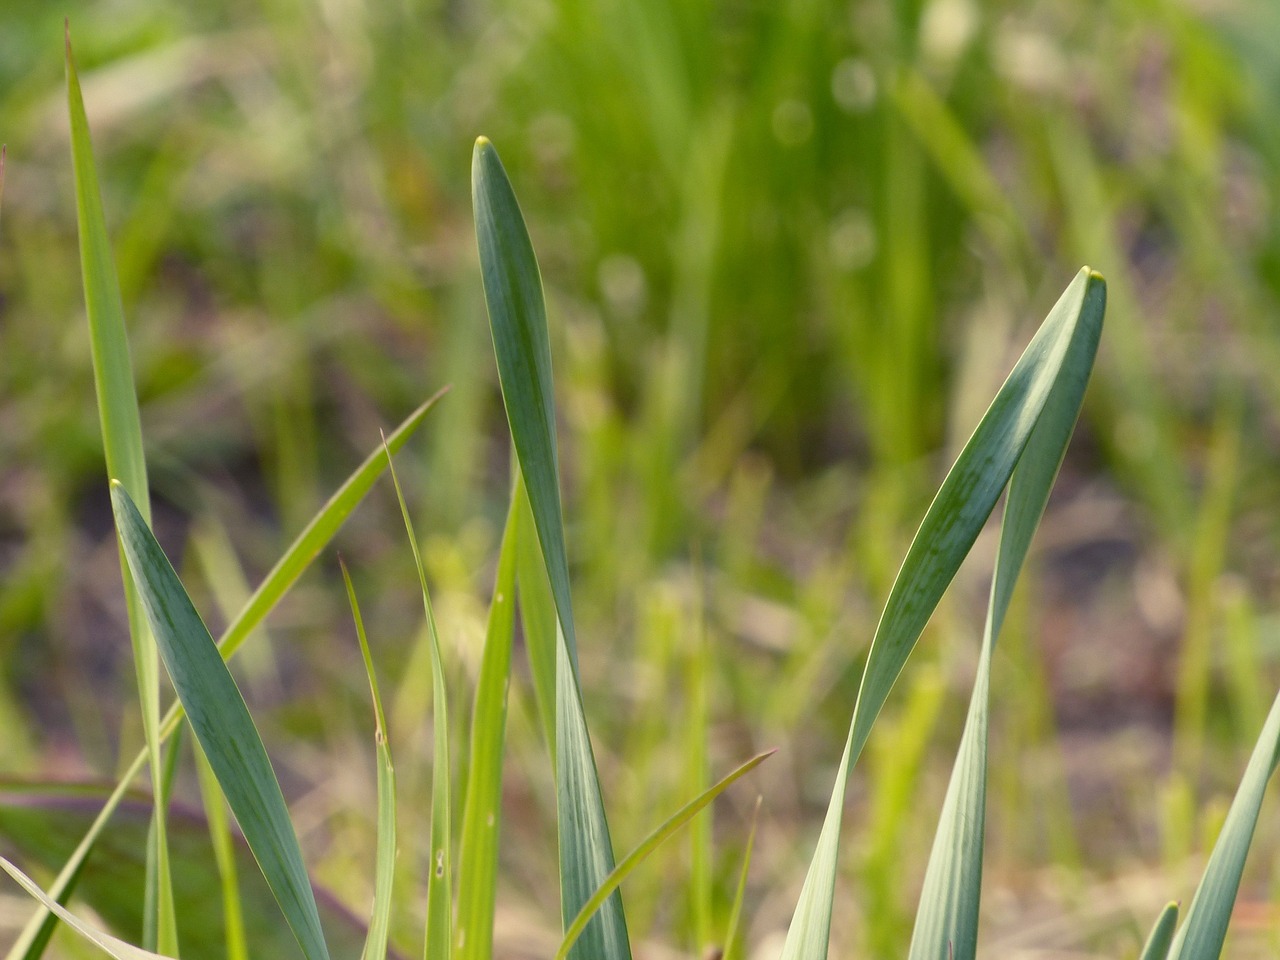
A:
{"x": 790, "y": 250}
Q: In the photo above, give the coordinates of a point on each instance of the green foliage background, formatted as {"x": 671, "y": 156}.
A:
{"x": 790, "y": 249}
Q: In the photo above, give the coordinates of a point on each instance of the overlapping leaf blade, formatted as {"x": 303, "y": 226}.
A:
{"x": 1161, "y": 938}
{"x": 482, "y": 808}
{"x": 115, "y": 947}
{"x": 291, "y": 565}
{"x": 946, "y": 534}
{"x": 222, "y": 724}
{"x": 42, "y": 822}
{"x": 439, "y": 932}
{"x": 121, "y": 427}
{"x": 661, "y": 834}
{"x": 375, "y": 944}
{"x": 1202, "y": 935}
{"x": 517, "y": 317}
{"x": 947, "y": 920}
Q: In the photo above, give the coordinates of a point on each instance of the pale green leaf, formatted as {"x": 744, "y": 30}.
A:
{"x": 112, "y": 945}
{"x": 482, "y": 808}
{"x": 375, "y": 945}
{"x": 439, "y": 933}
{"x": 1158, "y": 944}
{"x": 657, "y": 838}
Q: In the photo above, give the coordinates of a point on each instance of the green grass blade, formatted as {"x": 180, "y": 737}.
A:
{"x": 517, "y": 318}
{"x": 538, "y": 620}
{"x": 222, "y": 724}
{"x": 1161, "y": 939}
{"x": 732, "y": 941}
{"x": 482, "y": 808}
{"x": 295, "y": 560}
{"x": 1064, "y": 346}
{"x": 375, "y": 945}
{"x": 1205, "y": 929}
{"x": 41, "y": 822}
{"x": 661, "y": 835}
{"x": 112, "y": 945}
{"x": 439, "y": 933}
{"x": 946, "y": 925}
{"x": 121, "y": 427}
{"x": 224, "y": 856}
{"x": 318, "y": 533}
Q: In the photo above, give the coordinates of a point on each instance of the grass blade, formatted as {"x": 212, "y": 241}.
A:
{"x": 222, "y": 724}
{"x": 538, "y": 620}
{"x": 1205, "y": 929}
{"x": 946, "y": 925}
{"x": 651, "y": 843}
{"x": 1161, "y": 939}
{"x": 291, "y": 565}
{"x": 1064, "y": 346}
{"x": 375, "y": 945}
{"x": 517, "y": 318}
{"x": 732, "y": 944}
{"x": 115, "y": 947}
{"x": 439, "y": 933}
{"x": 121, "y": 427}
{"x": 235, "y": 943}
{"x": 42, "y": 822}
{"x": 482, "y": 809}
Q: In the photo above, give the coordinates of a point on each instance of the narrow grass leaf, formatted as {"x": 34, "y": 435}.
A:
{"x": 661, "y": 835}
{"x": 291, "y": 565}
{"x": 112, "y": 945}
{"x": 1161, "y": 938}
{"x": 235, "y": 943}
{"x": 482, "y": 808}
{"x": 222, "y": 724}
{"x": 439, "y": 933}
{"x": 121, "y": 427}
{"x": 42, "y": 822}
{"x": 537, "y": 620}
{"x": 946, "y": 925}
{"x": 732, "y": 939}
{"x": 1205, "y": 929}
{"x": 517, "y": 318}
{"x": 375, "y": 945}
{"x": 1064, "y": 346}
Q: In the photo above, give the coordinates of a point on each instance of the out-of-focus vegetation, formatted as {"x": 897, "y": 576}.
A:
{"x": 789, "y": 249}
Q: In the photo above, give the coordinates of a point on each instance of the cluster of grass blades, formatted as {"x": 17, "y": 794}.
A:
{"x": 1015, "y": 450}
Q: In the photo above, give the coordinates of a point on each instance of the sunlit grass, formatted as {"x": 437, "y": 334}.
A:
{"x": 776, "y": 295}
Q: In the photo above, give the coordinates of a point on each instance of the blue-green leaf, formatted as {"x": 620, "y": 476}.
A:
{"x": 222, "y": 724}
{"x": 1063, "y": 347}
{"x": 518, "y": 320}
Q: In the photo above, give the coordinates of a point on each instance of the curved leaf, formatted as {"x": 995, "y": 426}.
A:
{"x": 1205, "y": 929}
{"x": 651, "y": 843}
{"x": 948, "y": 530}
{"x": 221, "y": 722}
{"x": 1157, "y": 946}
{"x": 295, "y": 560}
{"x": 946, "y": 925}
{"x": 518, "y": 320}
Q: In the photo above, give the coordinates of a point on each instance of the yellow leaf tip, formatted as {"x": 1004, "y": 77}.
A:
{"x": 482, "y": 142}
